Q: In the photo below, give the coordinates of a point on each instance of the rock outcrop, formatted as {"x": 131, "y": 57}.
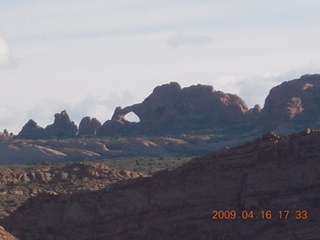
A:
{"x": 271, "y": 184}
{"x": 89, "y": 127}
{"x": 62, "y": 126}
{"x": 172, "y": 108}
{"x": 31, "y": 130}
{"x": 294, "y": 103}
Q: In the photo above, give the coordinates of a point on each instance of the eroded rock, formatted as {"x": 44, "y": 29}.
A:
{"x": 172, "y": 108}
{"x": 31, "y": 130}
{"x": 89, "y": 127}
{"x": 296, "y": 101}
{"x": 62, "y": 126}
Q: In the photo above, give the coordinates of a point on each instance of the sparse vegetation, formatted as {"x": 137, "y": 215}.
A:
{"x": 145, "y": 164}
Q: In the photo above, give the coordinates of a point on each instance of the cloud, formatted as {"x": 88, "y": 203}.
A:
{"x": 6, "y": 58}
{"x": 181, "y": 39}
{"x": 4, "y": 52}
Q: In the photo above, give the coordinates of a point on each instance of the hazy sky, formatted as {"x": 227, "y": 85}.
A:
{"x": 89, "y": 57}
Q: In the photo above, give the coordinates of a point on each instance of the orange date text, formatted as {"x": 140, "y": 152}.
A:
{"x": 265, "y": 214}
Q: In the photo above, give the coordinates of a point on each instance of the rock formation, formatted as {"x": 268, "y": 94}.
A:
{"x": 170, "y": 108}
{"x": 89, "y": 127}
{"x": 258, "y": 181}
{"x": 31, "y": 130}
{"x": 62, "y": 126}
{"x": 294, "y": 102}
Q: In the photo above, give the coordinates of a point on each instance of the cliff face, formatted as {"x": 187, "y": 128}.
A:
{"x": 272, "y": 173}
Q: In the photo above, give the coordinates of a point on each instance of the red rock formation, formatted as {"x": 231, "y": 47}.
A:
{"x": 31, "y": 130}
{"x": 293, "y": 101}
{"x": 172, "y": 107}
{"x": 273, "y": 173}
{"x": 62, "y": 126}
{"x": 89, "y": 127}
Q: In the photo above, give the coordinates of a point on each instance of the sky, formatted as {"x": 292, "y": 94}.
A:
{"x": 89, "y": 57}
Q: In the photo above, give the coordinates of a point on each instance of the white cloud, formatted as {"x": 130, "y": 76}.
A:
{"x": 4, "y": 52}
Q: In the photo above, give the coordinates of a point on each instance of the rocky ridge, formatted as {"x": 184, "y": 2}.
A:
{"x": 272, "y": 173}
{"x": 170, "y": 109}
{"x": 174, "y": 121}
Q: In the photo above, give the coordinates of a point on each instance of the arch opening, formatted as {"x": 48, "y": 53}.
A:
{"x": 132, "y": 117}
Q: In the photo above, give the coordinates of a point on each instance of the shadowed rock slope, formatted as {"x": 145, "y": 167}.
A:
{"x": 272, "y": 173}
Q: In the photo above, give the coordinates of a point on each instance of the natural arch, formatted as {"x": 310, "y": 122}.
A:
{"x": 132, "y": 117}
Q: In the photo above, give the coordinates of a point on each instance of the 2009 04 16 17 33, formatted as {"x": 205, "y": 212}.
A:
{"x": 268, "y": 214}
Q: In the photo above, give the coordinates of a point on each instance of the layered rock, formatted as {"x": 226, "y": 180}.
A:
{"x": 272, "y": 173}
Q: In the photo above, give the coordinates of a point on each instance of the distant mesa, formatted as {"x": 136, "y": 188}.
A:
{"x": 170, "y": 109}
